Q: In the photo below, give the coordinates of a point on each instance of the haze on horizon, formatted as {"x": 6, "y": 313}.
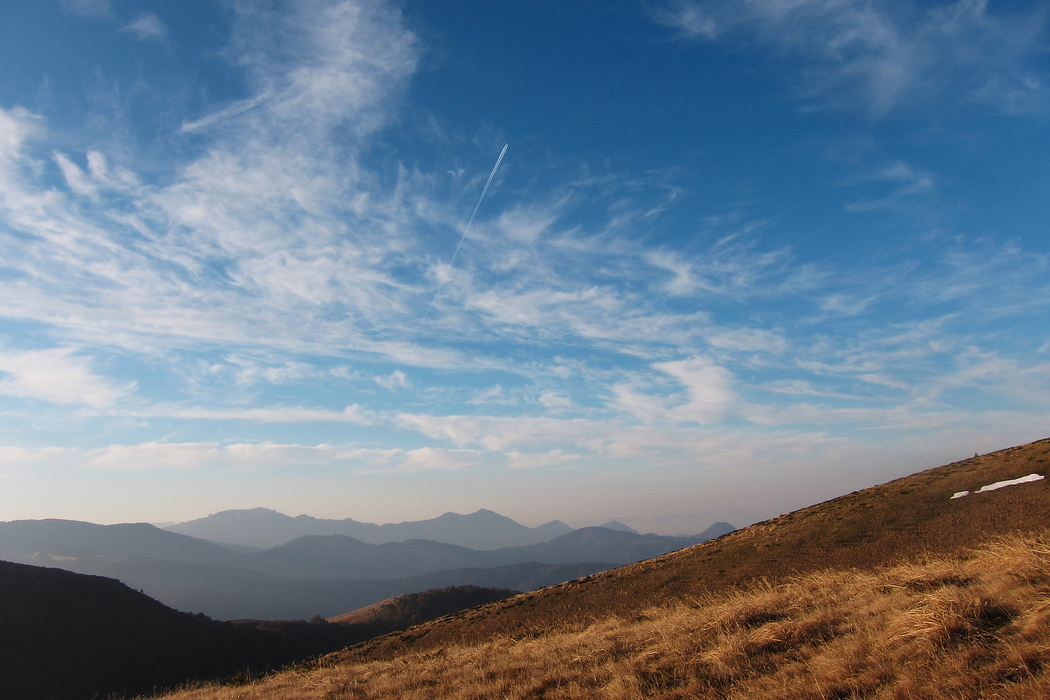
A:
{"x": 740, "y": 257}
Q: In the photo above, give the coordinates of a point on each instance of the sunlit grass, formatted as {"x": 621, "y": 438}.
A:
{"x": 968, "y": 627}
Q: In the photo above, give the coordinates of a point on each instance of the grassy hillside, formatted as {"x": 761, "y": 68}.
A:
{"x": 874, "y": 594}
{"x": 413, "y": 608}
{"x": 975, "y": 627}
{"x": 902, "y": 519}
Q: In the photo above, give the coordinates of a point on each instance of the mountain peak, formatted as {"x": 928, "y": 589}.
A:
{"x": 617, "y": 525}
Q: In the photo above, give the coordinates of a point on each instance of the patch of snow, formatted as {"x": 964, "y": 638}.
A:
{"x": 1010, "y": 482}
{"x": 999, "y": 485}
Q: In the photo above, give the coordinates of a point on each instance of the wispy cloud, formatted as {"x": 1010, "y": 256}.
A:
{"x": 146, "y": 26}
{"x": 58, "y": 376}
{"x": 87, "y": 8}
{"x": 266, "y": 275}
{"x": 227, "y": 112}
{"x": 394, "y": 381}
{"x": 886, "y": 55}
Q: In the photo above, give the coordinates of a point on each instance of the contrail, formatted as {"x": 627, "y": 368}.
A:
{"x": 466, "y": 230}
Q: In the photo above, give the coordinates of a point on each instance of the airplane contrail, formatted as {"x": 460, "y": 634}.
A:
{"x": 466, "y": 230}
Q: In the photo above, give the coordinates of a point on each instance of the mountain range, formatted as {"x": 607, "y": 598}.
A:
{"x": 263, "y": 528}
{"x": 317, "y": 574}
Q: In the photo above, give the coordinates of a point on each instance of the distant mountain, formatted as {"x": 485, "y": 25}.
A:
{"x": 715, "y": 531}
{"x": 313, "y": 575}
{"x": 340, "y": 557}
{"x": 617, "y": 525}
{"x": 598, "y": 544}
{"x": 239, "y": 594}
{"x": 264, "y": 528}
{"x": 65, "y": 636}
{"x": 75, "y": 539}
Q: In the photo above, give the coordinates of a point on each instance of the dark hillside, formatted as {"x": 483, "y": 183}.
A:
{"x": 68, "y": 636}
{"x": 904, "y": 519}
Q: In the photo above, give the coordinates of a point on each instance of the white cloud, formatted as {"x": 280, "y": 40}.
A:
{"x": 17, "y": 126}
{"x": 155, "y": 455}
{"x": 396, "y": 380}
{"x": 801, "y": 387}
{"x": 146, "y": 26}
{"x": 192, "y": 456}
{"x": 554, "y": 399}
{"x": 353, "y": 414}
{"x": 526, "y": 460}
{"x": 495, "y": 394}
{"x": 747, "y": 339}
{"x": 77, "y": 180}
{"x": 58, "y": 376}
{"x": 707, "y": 386}
{"x": 429, "y": 458}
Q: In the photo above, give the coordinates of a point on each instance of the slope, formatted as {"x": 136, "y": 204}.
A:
{"x": 878, "y": 593}
{"x": 903, "y": 519}
{"x": 964, "y": 628}
{"x": 70, "y": 636}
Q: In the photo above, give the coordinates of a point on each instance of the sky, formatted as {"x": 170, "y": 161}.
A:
{"x": 738, "y": 257}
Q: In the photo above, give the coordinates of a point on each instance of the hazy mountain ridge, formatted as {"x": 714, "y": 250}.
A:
{"x": 337, "y": 556}
{"x": 264, "y": 528}
{"x": 227, "y": 593}
{"x": 77, "y": 539}
{"x": 314, "y": 575}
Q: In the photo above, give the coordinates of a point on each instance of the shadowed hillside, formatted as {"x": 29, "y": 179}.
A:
{"x": 66, "y": 635}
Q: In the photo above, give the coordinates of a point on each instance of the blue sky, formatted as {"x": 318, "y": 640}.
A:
{"x": 738, "y": 258}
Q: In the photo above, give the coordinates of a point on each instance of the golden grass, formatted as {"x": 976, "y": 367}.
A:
{"x": 968, "y": 627}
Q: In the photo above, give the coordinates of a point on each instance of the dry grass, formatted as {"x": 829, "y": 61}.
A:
{"x": 970, "y": 627}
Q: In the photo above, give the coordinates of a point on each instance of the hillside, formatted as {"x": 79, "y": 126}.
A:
{"x": 903, "y": 519}
{"x": 962, "y": 628}
{"x": 69, "y": 636}
{"x": 413, "y": 608}
{"x": 821, "y": 603}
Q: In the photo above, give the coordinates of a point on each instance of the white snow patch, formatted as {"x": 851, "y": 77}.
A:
{"x": 999, "y": 485}
{"x": 1010, "y": 482}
